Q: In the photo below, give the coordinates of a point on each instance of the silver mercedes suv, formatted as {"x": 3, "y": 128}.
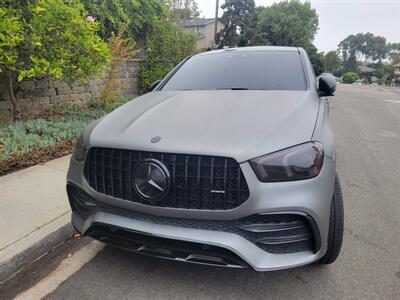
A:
{"x": 228, "y": 161}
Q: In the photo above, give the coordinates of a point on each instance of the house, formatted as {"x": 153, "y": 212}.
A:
{"x": 205, "y": 30}
{"x": 397, "y": 70}
{"x": 396, "y": 77}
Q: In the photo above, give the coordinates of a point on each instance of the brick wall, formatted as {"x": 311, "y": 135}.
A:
{"x": 36, "y": 95}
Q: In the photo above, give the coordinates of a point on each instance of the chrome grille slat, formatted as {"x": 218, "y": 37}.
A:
{"x": 260, "y": 227}
{"x": 130, "y": 176}
{"x": 284, "y": 239}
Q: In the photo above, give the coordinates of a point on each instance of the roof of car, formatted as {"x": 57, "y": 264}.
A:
{"x": 255, "y": 48}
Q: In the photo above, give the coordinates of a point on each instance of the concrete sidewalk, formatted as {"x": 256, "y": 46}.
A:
{"x": 34, "y": 215}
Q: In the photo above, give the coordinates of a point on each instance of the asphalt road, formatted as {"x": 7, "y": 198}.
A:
{"x": 366, "y": 124}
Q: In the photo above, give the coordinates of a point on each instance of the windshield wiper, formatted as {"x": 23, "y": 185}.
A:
{"x": 234, "y": 89}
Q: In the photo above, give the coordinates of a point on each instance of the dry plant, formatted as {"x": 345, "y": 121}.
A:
{"x": 122, "y": 49}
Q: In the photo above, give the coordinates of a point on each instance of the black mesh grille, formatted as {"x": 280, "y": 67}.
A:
{"x": 194, "y": 177}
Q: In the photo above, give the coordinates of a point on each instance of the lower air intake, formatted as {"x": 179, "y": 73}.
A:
{"x": 274, "y": 233}
{"x": 165, "y": 248}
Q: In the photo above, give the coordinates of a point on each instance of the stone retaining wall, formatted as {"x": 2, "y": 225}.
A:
{"x": 36, "y": 95}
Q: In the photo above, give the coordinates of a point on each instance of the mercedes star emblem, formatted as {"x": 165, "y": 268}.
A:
{"x": 151, "y": 180}
{"x": 155, "y": 139}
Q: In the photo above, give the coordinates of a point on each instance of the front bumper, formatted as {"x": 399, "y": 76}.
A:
{"x": 310, "y": 198}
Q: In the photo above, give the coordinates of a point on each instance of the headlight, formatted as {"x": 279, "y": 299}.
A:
{"x": 296, "y": 163}
{"x": 79, "y": 151}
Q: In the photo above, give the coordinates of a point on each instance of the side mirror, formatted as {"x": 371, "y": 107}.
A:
{"x": 153, "y": 85}
{"x": 327, "y": 85}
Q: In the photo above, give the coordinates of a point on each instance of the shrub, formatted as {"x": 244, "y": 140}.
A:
{"x": 166, "y": 45}
{"x": 11, "y": 34}
{"x": 138, "y": 14}
{"x": 349, "y": 77}
{"x": 58, "y": 40}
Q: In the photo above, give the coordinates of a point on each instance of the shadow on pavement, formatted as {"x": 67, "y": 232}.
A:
{"x": 117, "y": 273}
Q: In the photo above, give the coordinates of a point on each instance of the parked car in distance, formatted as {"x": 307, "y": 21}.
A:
{"x": 229, "y": 161}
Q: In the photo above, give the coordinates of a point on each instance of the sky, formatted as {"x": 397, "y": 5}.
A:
{"x": 340, "y": 18}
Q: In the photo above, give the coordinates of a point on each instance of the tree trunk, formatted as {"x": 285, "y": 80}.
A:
{"x": 15, "y": 108}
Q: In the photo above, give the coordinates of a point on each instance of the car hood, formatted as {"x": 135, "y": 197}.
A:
{"x": 237, "y": 124}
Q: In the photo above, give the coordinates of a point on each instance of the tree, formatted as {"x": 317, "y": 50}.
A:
{"x": 394, "y": 52}
{"x": 138, "y": 14}
{"x": 166, "y": 45}
{"x": 350, "y": 63}
{"x": 376, "y": 48}
{"x": 385, "y": 72}
{"x": 11, "y": 34}
{"x": 332, "y": 62}
{"x": 316, "y": 59}
{"x": 183, "y": 9}
{"x": 249, "y": 35}
{"x": 365, "y": 47}
{"x": 239, "y": 25}
{"x": 288, "y": 23}
{"x": 291, "y": 23}
{"x": 57, "y": 41}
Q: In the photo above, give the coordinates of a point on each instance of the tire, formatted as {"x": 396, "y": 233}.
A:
{"x": 336, "y": 224}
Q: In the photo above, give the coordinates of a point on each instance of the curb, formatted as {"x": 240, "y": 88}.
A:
{"x": 18, "y": 263}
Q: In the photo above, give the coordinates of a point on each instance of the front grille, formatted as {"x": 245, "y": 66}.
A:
{"x": 274, "y": 233}
{"x": 198, "y": 181}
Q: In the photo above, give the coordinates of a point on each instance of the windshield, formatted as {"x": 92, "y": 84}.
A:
{"x": 241, "y": 70}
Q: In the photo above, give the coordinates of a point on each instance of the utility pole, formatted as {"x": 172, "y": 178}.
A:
{"x": 216, "y": 20}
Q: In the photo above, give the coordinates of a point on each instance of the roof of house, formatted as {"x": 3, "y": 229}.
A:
{"x": 397, "y": 65}
{"x": 198, "y": 22}
{"x": 365, "y": 69}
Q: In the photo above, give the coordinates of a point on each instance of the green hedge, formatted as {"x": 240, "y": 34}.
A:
{"x": 349, "y": 77}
